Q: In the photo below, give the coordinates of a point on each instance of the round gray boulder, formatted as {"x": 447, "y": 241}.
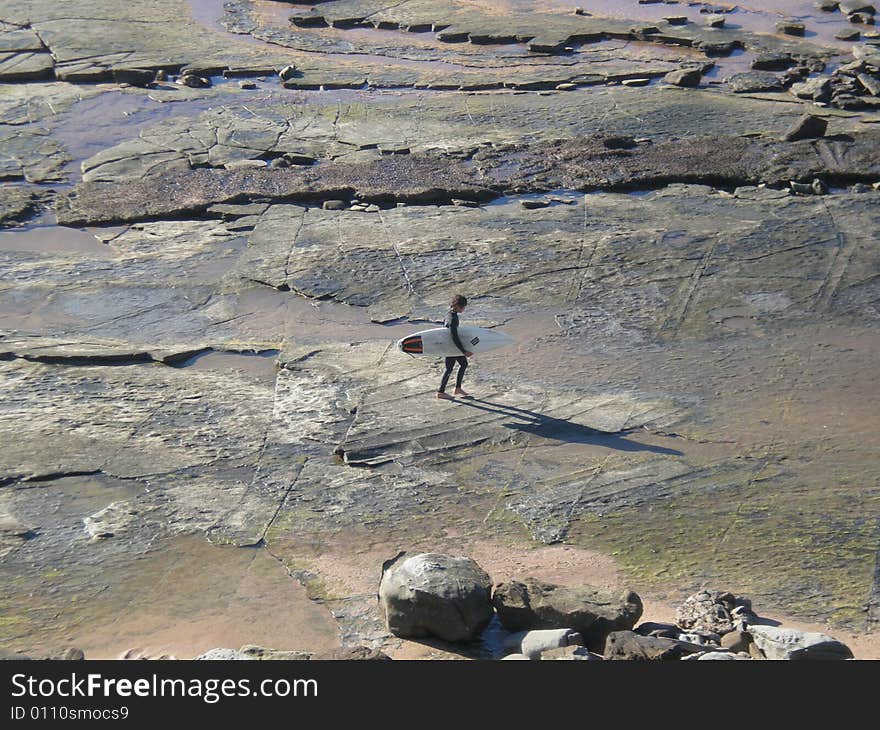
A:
{"x": 430, "y": 594}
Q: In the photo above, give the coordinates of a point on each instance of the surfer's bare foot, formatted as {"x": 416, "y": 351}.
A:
{"x": 459, "y": 391}
{"x": 445, "y": 396}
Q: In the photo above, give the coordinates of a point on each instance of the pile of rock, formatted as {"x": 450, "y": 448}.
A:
{"x": 856, "y": 11}
{"x": 854, "y": 85}
{"x": 451, "y": 598}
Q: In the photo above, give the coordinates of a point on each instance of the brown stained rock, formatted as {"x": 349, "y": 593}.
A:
{"x": 593, "y": 613}
{"x": 688, "y": 77}
{"x": 736, "y": 640}
{"x": 629, "y": 646}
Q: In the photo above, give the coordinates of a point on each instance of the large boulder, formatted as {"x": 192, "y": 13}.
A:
{"x": 430, "y": 594}
{"x": 630, "y": 646}
{"x": 593, "y": 613}
{"x": 776, "y": 642}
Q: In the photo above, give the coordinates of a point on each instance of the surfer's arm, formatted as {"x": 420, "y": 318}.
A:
{"x": 453, "y": 330}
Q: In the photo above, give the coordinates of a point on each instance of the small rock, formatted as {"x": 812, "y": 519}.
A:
{"x": 717, "y": 655}
{"x": 665, "y": 631}
{"x": 705, "y": 638}
{"x": 353, "y": 653}
{"x": 244, "y": 84}
{"x": 193, "y": 81}
{"x": 372, "y": 208}
{"x": 801, "y": 188}
{"x": 773, "y": 61}
{"x": 736, "y": 641}
{"x": 334, "y": 205}
{"x": 876, "y": 185}
{"x": 134, "y": 76}
{"x": 580, "y": 11}
{"x": 161, "y": 75}
{"x": 263, "y": 654}
{"x": 287, "y": 73}
{"x": 849, "y": 101}
{"x": 753, "y": 82}
{"x": 817, "y": 89}
{"x": 570, "y": 653}
{"x": 358, "y": 207}
{"x": 715, "y": 21}
{"x": 687, "y": 77}
{"x": 71, "y": 654}
{"x": 807, "y": 126}
{"x": 13, "y": 527}
{"x": 245, "y": 165}
{"x": 791, "y": 27}
{"x": 847, "y": 34}
{"x": 819, "y": 187}
{"x": 534, "y": 643}
{"x": 861, "y": 18}
{"x": 565, "y": 87}
{"x": 828, "y": 6}
{"x": 856, "y": 6}
{"x": 870, "y": 83}
{"x": 106, "y": 523}
{"x": 676, "y": 19}
{"x": 279, "y": 162}
{"x": 636, "y": 82}
{"x": 620, "y": 142}
{"x": 853, "y": 68}
{"x": 7, "y": 655}
{"x": 627, "y": 645}
{"x": 458, "y": 202}
{"x": 515, "y": 657}
{"x": 532, "y": 204}
{"x": 860, "y": 188}
{"x": 221, "y": 654}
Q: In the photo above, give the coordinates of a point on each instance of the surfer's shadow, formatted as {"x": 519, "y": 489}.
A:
{"x": 560, "y": 429}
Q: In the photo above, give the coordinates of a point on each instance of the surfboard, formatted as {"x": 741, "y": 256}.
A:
{"x": 437, "y": 342}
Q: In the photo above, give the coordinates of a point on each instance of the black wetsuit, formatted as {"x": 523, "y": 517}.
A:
{"x": 451, "y": 321}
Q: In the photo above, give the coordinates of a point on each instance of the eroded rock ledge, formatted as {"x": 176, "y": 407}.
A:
{"x": 583, "y": 164}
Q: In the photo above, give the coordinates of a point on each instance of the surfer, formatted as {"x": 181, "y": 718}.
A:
{"x": 456, "y": 307}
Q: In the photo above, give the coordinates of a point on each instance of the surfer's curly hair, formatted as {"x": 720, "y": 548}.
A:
{"x": 459, "y": 300}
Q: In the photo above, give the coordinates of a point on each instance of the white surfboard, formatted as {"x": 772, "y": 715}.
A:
{"x": 437, "y": 342}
